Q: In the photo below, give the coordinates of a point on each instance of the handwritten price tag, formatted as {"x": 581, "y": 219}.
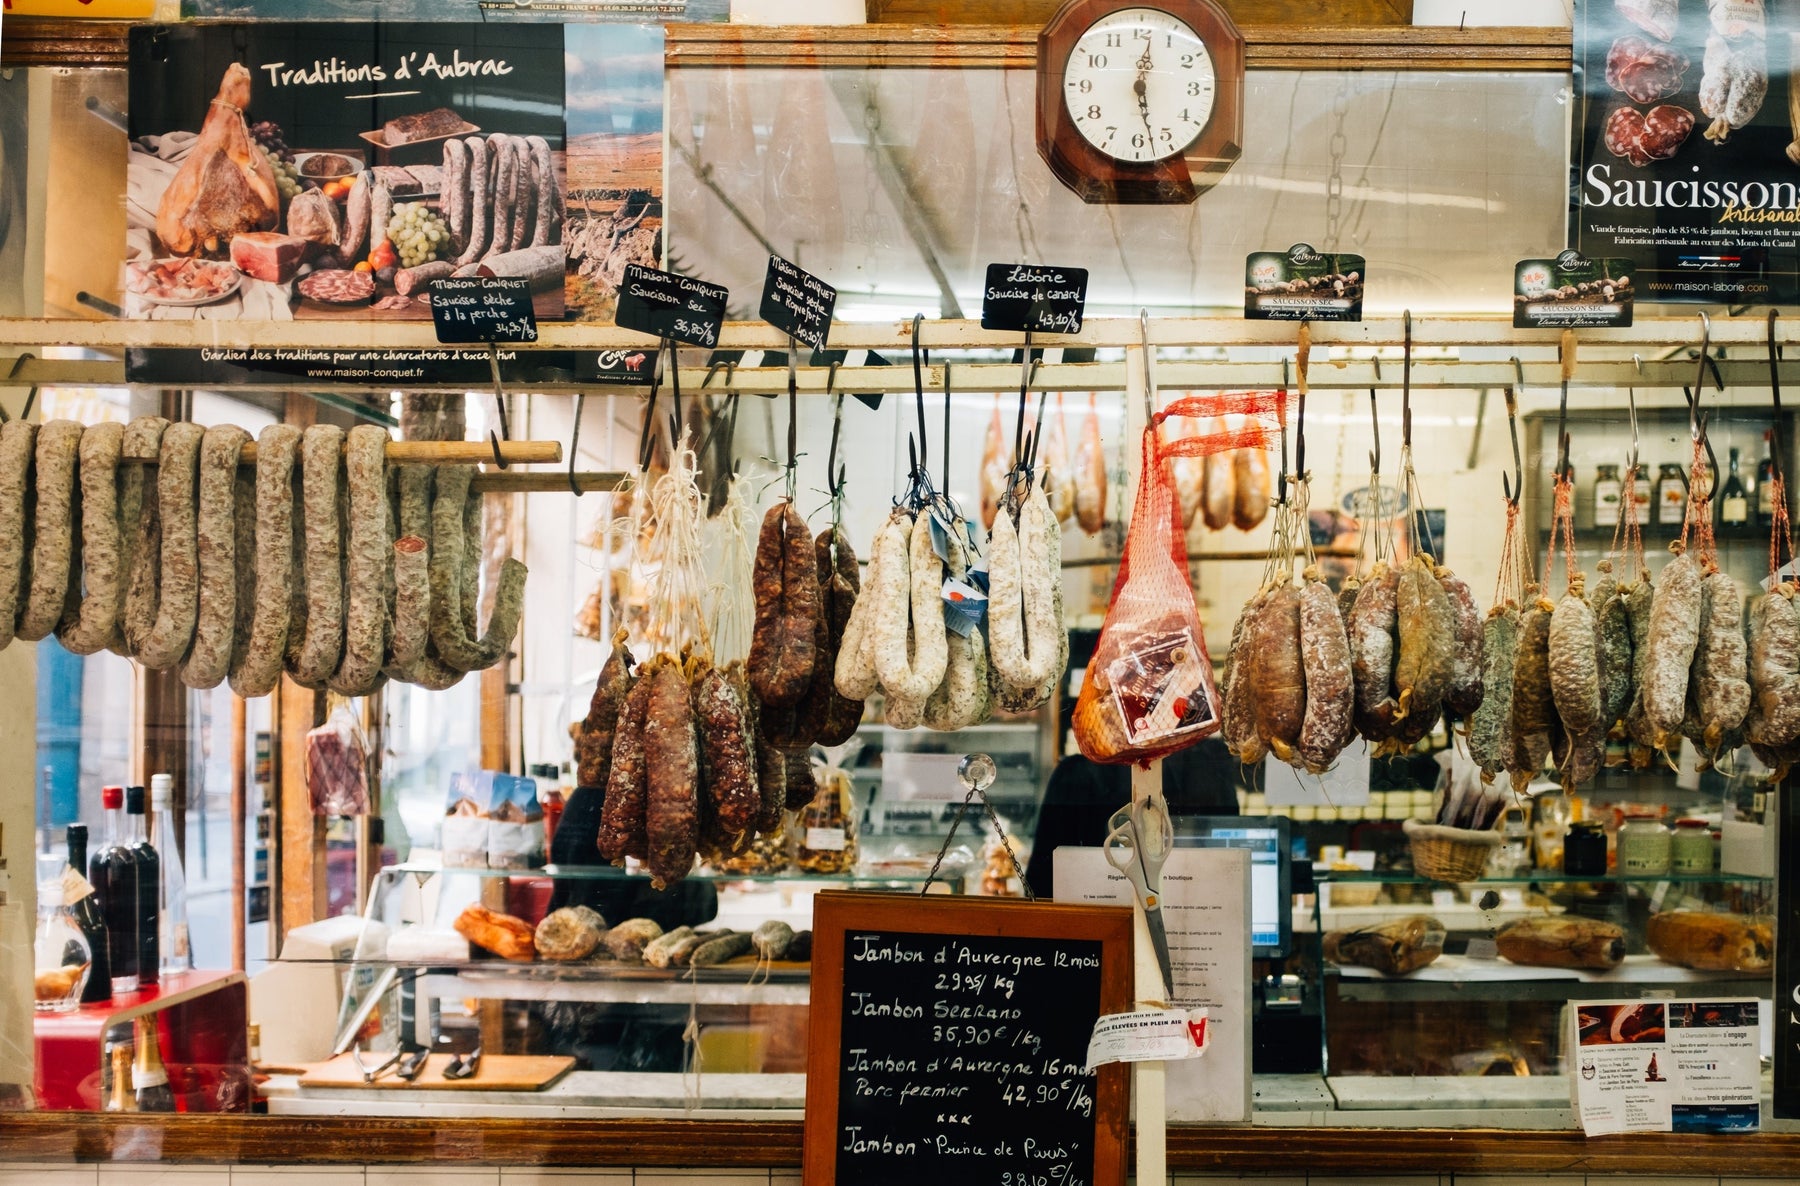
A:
{"x": 1034, "y": 297}
{"x": 798, "y": 303}
{"x": 671, "y": 306}
{"x": 483, "y": 309}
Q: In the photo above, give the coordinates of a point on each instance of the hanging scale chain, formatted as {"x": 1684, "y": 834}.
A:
{"x": 1334, "y": 184}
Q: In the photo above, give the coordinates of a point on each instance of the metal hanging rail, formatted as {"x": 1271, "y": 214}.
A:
{"x": 1458, "y": 353}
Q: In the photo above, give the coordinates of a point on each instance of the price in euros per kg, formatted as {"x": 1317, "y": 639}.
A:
{"x": 967, "y": 1035}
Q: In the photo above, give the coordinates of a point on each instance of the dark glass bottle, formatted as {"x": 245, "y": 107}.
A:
{"x": 86, "y": 909}
{"x": 149, "y": 1079}
{"x": 113, "y": 872}
{"x": 149, "y": 883}
{"x": 1734, "y": 500}
{"x": 1765, "y": 482}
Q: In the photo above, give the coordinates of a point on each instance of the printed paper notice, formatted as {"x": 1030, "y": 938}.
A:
{"x": 1148, "y": 1035}
{"x": 1666, "y": 1066}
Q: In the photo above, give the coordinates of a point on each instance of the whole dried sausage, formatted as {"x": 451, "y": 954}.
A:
{"x": 1330, "y": 689}
{"x": 18, "y": 443}
{"x": 914, "y": 650}
{"x": 1774, "y": 669}
{"x": 622, "y": 822}
{"x": 455, "y": 198}
{"x": 453, "y": 510}
{"x": 1277, "y": 676}
{"x": 854, "y": 675}
{"x": 255, "y": 671}
{"x": 178, "y": 581}
{"x": 141, "y": 532}
{"x": 504, "y": 166}
{"x": 412, "y": 617}
{"x": 358, "y": 213}
{"x": 1533, "y": 708}
{"x": 1219, "y": 486}
{"x": 102, "y": 575}
{"x": 367, "y": 561}
{"x": 727, "y": 758}
{"x": 672, "y": 776}
{"x": 1006, "y": 606}
{"x": 1238, "y": 723}
{"x": 548, "y": 228}
{"x": 786, "y": 587}
{"x": 243, "y": 549}
{"x": 594, "y": 734}
{"x": 1425, "y": 661}
{"x": 1465, "y": 691}
{"x": 961, "y": 699}
{"x": 1639, "y": 598}
{"x": 479, "y": 203}
{"x": 1612, "y": 627}
{"x": 209, "y": 659}
{"x": 1490, "y": 729}
{"x": 771, "y": 771}
{"x": 314, "y": 648}
{"x": 1674, "y": 634}
{"x": 1373, "y": 622}
{"x": 1721, "y": 691}
{"x": 1574, "y": 663}
{"x": 57, "y": 514}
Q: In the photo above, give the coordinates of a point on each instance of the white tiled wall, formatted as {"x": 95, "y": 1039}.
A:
{"x": 377, "y": 1175}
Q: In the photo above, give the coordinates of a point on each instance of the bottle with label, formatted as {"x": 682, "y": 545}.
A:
{"x": 1608, "y": 490}
{"x": 118, "y": 1089}
{"x": 84, "y": 904}
{"x": 1671, "y": 495}
{"x": 1765, "y": 482}
{"x": 550, "y": 798}
{"x": 172, "y": 917}
{"x": 1734, "y": 500}
{"x": 113, "y": 873}
{"x": 149, "y": 1079}
{"x": 149, "y": 889}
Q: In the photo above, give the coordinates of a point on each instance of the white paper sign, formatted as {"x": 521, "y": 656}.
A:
{"x": 1148, "y": 1035}
{"x": 1206, "y": 911}
{"x": 1346, "y": 784}
{"x": 1666, "y": 1066}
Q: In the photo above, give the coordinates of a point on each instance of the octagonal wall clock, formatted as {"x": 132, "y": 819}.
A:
{"x": 1140, "y": 102}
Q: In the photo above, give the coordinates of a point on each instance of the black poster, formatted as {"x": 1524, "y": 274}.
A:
{"x": 1681, "y": 158}
{"x": 444, "y": 366}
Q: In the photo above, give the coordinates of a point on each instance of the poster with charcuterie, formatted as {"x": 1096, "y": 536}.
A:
{"x": 285, "y": 171}
{"x": 1687, "y": 146}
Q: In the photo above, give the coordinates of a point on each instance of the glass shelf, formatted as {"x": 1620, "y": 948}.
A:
{"x": 1538, "y": 877}
{"x": 612, "y": 873}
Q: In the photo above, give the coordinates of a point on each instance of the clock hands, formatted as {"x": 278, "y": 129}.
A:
{"x": 1141, "y": 87}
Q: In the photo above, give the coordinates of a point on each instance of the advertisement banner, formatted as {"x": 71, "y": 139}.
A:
{"x": 1685, "y": 158}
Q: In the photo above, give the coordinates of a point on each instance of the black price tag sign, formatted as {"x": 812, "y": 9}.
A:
{"x": 1572, "y": 292}
{"x": 798, "y": 303}
{"x": 671, "y": 306}
{"x": 1035, "y": 298}
{"x": 483, "y": 309}
{"x": 1301, "y": 284}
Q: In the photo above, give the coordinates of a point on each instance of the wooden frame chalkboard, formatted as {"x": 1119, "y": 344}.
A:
{"x": 1037, "y": 985}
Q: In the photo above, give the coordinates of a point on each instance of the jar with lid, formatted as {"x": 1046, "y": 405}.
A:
{"x": 1640, "y": 492}
{"x": 1671, "y": 495}
{"x": 1584, "y": 849}
{"x": 1644, "y": 845}
{"x": 1608, "y": 490}
{"x": 1691, "y": 848}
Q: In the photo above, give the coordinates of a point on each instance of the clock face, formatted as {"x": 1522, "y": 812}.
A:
{"x": 1139, "y": 85}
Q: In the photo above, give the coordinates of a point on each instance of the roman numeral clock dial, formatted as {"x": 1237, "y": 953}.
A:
{"x": 1140, "y": 103}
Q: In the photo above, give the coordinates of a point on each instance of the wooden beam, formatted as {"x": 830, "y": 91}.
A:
{"x": 1268, "y": 46}
{"x": 300, "y": 855}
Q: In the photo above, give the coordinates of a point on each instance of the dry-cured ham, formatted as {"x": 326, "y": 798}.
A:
{"x": 1090, "y": 473}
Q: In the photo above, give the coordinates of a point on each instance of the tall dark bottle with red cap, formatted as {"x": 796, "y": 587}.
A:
{"x": 114, "y": 874}
{"x": 149, "y": 883}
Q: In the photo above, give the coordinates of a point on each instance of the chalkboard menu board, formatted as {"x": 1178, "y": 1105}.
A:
{"x": 948, "y": 1037}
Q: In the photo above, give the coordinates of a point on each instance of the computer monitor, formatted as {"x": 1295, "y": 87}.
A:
{"x": 1271, "y": 899}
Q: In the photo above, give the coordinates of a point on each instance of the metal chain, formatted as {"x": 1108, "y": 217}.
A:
{"x": 874, "y": 226}
{"x": 1334, "y": 184}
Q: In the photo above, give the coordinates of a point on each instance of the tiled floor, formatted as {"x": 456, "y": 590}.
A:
{"x": 377, "y": 1175}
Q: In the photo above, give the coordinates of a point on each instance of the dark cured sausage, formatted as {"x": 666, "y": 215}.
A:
{"x": 730, "y": 764}
{"x": 594, "y": 735}
{"x": 786, "y": 586}
{"x": 622, "y": 813}
{"x": 672, "y": 777}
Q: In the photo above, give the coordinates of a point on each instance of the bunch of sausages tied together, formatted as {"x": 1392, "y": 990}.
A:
{"x": 700, "y": 759}
{"x": 321, "y": 561}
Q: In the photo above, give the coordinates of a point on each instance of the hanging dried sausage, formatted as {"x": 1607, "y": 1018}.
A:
{"x": 1612, "y": 627}
{"x": 18, "y": 443}
{"x": 1533, "y": 708}
{"x": 786, "y": 587}
{"x": 1425, "y": 661}
{"x": 622, "y": 823}
{"x": 1574, "y": 662}
{"x": 1674, "y": 634}
{"x": 1277, "y": 676}
{"x": 1775, "y": 669}
{"x": 1330, "y": 688}
{"x": 102, "y": 575}
{"x": 178, "y": 574}
{"x": 1238, "y": 712}
{"x": 733, "y": 799}
{"x": 366, "y": 563}
{"x": 316, "y": 639}
{"x": 1490, "y": 729}
{"x": 256, "y": 669}
{"x": 1721, "y": 691}
{"x": 209, "y": 660}
{"x": 1639, "y": 598}
{"x": 1373, "y": 623}
{"x": 58, "y": 512}
{"x": 594, "y": 735}
{"x": 1464, "y": 694}
{"x": 672, "y": 777}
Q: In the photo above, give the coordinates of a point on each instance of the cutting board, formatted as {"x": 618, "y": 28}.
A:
{"x": 498, "y": 1072}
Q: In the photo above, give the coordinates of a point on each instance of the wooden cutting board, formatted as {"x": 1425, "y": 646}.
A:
{"x": 498, "y": 1072}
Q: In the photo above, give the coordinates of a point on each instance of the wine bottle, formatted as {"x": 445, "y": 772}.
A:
{"x": 149, "y": 889}
{"x": 172, "y": 933}
{"x": 1734, "y": 500}
{"x": 84, "y": 905}
{"x": 149, "y": 1079}
{"x": 118, "y": 1091}
{"x": 1765, "y": 482}
{"x": 113, "y": 872}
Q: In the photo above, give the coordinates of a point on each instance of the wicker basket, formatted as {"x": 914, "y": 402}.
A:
{"x": 1450, "y": 854}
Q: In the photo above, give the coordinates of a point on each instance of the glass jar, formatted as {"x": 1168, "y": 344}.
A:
{"x": 1584, "y": 849}
{"x": 1550, "y": 820}
{"x": 1644, "y": 845}
{"x": 1607, "y": 492}
{"x": 1671, "y": 495}
{"x": 61, "y": 955}
{"x": 1691, "y": 848}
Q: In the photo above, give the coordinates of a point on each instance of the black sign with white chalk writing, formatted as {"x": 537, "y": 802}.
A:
{"x": 949, "y": 1037}
{"x": 483, "y": 309}
{"x": 671, "y": 306}
{"x": 798, "y": 303}
{"x": 1034, "y": 297}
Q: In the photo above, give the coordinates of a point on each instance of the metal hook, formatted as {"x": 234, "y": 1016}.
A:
{"x": 1375, "y": 425}
{"x": 1566, "y": 356}
{"x": 1406, "y": 384}
{"x": 677, "y": 435}
{"x": 1514, "y": 485}
{"x": 918, "y": 352}
{"x": 793, "y": 440}
{"x": 30, "y": 396}
{"x": 499, "y": 405}
{"x": 1631, "y": 407}
{"x": 644, "y": 434}
{"x": 1775, "y": 390}
{"x": 834, "y": 473}
{"x": 1149, "y": 372}
{"x": 1027, "y": 372}
{"x": 575, "y": 440}
{"x": 946, "y": 428}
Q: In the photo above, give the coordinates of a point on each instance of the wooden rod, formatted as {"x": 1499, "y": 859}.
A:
{"x": 439, "y": 452}
{"x": 494, "y": 481}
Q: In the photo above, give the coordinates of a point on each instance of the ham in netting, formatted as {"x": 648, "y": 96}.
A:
{"x": 225, "y": 186}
